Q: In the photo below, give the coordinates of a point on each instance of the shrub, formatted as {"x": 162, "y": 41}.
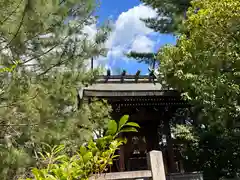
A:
{"x": 92, "y": 159}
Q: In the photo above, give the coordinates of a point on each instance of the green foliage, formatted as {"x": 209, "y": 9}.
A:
{"x": 38, "y": 100}
{"x": 91, "y": 159}
{"x": 171, "y": 13}
{"x": 183, "y": 132}
{"x": 9, "y": 69}
{"x": 147, "y": 58}
{"x": 115, "y": 129}
{"x": 98, "y": 114}
{"x": 204, "y": 65}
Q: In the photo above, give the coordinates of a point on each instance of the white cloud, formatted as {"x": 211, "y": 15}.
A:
{"x": 142, "y": 44}
{"x": 129, "y": 25}
{"x": 130, "y": 33}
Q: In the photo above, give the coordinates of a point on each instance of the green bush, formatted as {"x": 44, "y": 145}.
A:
{"x": 92, "y": 159}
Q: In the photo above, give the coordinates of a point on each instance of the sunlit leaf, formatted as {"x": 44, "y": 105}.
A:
{"x": 123, "y": 121}
{"x": 129, "y": 129}
{"x": 112, "y": 127}
{"x": 87, "y": 157}
{"x": 83, "y": 150}
{"x": 133, "y": 124}
{"x": 59, "y": 149}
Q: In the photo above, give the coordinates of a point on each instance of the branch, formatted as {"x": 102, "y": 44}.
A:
{"x": 57, "y": 64}
{"x": 19, "y": 27}
{"x": 51, "y": 26}
{"x": 56, "y": 45}
{"x": 12, "y": 104}
{"x": 141, "y": 56}
{"x": 53, "y": 66}
{"x": 147, "y": 58}
{"x": 11, "y": 13}
{"x": 10, "y": 125}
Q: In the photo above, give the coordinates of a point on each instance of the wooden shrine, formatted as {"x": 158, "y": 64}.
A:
{"x": 148, "y": 103}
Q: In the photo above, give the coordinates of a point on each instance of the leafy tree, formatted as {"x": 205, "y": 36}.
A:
{"x": 38, "y": 100}
{"x": 204, "y": 65}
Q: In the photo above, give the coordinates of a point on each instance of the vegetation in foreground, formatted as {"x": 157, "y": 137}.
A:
{"x": 91, "y": 160}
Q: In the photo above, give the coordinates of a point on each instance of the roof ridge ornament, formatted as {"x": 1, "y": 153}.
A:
{"x": 123, "y": 75}
{"x": 137, "y": 75}
{"x": 108, "y": 75}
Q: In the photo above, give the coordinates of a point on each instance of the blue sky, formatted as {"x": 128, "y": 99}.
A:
{"x": 129, "y": 33}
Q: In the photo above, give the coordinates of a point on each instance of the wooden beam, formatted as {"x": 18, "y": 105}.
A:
{"x": 126, "y": 76}
{"x": 124, "y": 175}
{"x": 111, "y": 93}
{"x": 121, "y": 159}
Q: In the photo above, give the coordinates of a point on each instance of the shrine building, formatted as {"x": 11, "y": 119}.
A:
{"x": 147, "y": 102}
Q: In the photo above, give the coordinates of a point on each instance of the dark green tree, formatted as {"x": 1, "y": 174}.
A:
{"x": 171, "y": 14}
{"x": 169, "y": 20}
{"x": 147, "y": 58}
{"x": 38, "y": 99}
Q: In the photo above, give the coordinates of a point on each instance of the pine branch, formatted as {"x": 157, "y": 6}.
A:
{"x": 38, "y": 34}
{"x": 1, "y": 23}
{"x": 19, "y": 27}
{"x": 13, "y": 104}
{"x": 147, "y": 58}
{"x": 56, "y": 45}
{"x": 141, "y": 56}
{"x": 57, "y": 64}
{"x": 10, "y": 125}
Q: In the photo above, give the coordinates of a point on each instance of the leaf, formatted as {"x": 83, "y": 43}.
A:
{"x": 91, "y": 144}
{"x": 122, "y": 140}
{"x": 37, "y": 173}
{"x": 51, "y": 177}
{"x": 60, "y": 157}
{"x": 46, "y": 145}
{"x": 87, "y": 157}
{"x": 123, "y": 121}
{"x": 133, "y": 124}
{"x": 112, "y": 127}
{"x": 129, "y": 129}
{"x": 58, "y": 149}
{"x": 41, "y": 154}
{"x": 83, "y": 150}
{"x": 101, "y": 143}
{"x": 115, "y": 156}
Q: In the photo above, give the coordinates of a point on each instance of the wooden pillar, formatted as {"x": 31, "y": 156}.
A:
{"x": 121, "y": 159}
{"x": 170, "y": 152}
{"x": 156, "y": 136}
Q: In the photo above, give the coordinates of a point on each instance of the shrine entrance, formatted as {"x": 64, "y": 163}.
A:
{"x": 147, "y": 103}
{"x": 154, "y": 133}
